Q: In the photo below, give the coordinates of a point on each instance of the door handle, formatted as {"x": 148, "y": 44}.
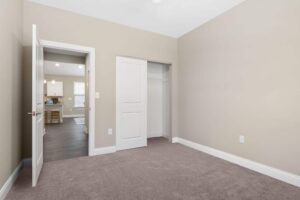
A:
{"x": 34, "y": 113}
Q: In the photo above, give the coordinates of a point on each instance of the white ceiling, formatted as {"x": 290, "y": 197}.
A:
{"x": 169, "y": 17}
{"x": 64, "y": 69}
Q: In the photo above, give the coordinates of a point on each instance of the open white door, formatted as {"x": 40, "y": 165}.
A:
{"x": 131, "y": 100}
{"x": 37, "y": 106}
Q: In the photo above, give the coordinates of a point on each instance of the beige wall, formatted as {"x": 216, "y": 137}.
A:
{"x": 68, "y": 89}
{"x": 109, "y": 40}
{"x": 10, "y": 86}
{"x": 240, "y": 75}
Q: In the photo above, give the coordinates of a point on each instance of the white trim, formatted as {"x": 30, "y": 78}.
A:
{"x": 105, "y": 150}
{"x": 92, "y": 98}
{"x": 175, "y": 140}
{"x": 91, "y": 60}
{"x": 66, "y": 46}
{"x": 10, "y": 181}
{"x": 72, "y": 116}
{"x": 255, "y": 166}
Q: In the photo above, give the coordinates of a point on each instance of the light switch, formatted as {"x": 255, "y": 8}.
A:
{"x": 110, "y": 131}
{"x": 97, "y": 95}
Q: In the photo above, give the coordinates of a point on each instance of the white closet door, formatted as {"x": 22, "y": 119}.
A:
{"x": 131, "y": 99}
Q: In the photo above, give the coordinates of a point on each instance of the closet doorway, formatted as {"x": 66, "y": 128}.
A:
{"x": 142, "y": 102}
{"x": 158, "y": 100}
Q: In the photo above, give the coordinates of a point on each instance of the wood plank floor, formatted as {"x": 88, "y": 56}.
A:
{"x": 64, "y": 141}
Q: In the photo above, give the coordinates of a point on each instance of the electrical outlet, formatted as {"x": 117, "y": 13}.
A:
{"x": 242, "y": 139}
{"x": 110, "y": 131}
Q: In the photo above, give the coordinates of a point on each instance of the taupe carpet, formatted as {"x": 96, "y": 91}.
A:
{"x": 159, "y": 171}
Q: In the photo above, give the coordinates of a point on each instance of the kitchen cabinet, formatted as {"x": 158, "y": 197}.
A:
{"x": 55, "y": 89}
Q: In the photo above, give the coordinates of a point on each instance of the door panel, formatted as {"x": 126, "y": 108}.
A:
{"x": 130, "y": 79}
{"x": 131, "y": 126}
{"x": 37, "y": 106}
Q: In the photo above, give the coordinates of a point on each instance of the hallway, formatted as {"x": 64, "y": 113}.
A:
{"x": 64, "y": 141}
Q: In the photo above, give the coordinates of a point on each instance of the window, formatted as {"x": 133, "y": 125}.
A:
{"x": 79, "y": 92}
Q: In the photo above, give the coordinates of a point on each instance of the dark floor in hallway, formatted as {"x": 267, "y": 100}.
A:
{"x": 161, "y": 171}
{"x": 64, "y": 141}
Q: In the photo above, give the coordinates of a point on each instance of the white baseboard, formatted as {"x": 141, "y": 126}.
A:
{"x": 258, "y": 167}
{"x": 10, "y": 181}
{"x": 175, "y": 140}
{"x": 72, "y": 116}
{"x": 104, "y": 150}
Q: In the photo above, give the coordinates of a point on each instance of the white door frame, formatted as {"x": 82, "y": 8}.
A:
{"x": 91, "y": 52}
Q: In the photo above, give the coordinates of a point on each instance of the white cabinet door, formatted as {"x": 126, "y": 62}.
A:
{"x": 131, "y": 126}
{"x": 59, "y": 89}
{"x": 54, "y": 89}
{"x": 50, "y": 88}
